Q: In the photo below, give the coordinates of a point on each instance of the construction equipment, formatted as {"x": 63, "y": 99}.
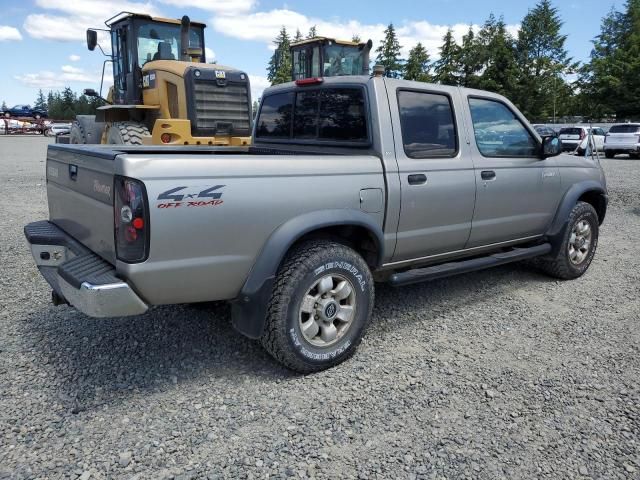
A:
{"x": 163, "y": 92}
{"x": 328, "y": 57}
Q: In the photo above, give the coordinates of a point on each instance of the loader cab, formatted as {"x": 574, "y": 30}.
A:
{"x": 327, "y": 57}
{"x": 138, "y": 39}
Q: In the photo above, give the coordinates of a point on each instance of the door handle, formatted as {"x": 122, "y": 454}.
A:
{"x": 417, "y": 179}
{"x": 73, "y": 172}
{"x": 488, "y": 175}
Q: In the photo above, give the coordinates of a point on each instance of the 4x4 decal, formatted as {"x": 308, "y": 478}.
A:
{"x": 177, "y": 195}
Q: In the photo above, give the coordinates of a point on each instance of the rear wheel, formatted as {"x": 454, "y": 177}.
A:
{"x": 320, "y": 307}
{"x": 126, "y": 133}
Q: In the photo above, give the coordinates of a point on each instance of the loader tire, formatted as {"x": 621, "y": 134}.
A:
{"x": 126, "y": 133}
{"x": 85, "y": 130}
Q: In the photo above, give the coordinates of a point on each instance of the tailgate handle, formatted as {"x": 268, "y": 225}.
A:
{"x": 73, "y": 172}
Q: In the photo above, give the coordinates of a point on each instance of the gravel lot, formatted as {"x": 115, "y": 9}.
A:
{"x": 499, "y": 374}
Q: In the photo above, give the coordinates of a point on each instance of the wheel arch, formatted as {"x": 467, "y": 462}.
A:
{"x": 351, "y": 227}
{"x": 589, "y": 191}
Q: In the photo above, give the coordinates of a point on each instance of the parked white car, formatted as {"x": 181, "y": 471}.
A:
{"x": 575, "y": 138}
{"x": 623, "y": 138}
{"x": 58, "y": 128}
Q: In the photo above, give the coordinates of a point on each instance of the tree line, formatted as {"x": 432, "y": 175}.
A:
{"x": 532, "y": 68}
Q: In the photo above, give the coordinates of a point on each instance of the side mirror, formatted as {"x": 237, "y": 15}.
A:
{"x": 90, "y": 92}
{"x": 92, "y": 39}
{"x": 551, "y": 146}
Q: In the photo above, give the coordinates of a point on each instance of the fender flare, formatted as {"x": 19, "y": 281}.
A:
{"x": 555, "y": 231}
{"x": 249, "y": 309}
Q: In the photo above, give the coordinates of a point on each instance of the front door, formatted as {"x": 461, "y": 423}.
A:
{"x": 436, "y": 173}
{"x": 517, "y": 191}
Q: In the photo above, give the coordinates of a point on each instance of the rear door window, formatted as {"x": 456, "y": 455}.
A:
{"x": 322, "y": 115}
{"x": 427, "y": 122}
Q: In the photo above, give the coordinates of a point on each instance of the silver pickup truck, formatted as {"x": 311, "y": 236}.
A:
{"x": 349, "y": 181}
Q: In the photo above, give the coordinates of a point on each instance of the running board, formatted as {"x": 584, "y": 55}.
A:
{"x": 464, "y": 266}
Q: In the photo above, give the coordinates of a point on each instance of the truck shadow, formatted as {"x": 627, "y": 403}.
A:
{"x": 92, "y": 362}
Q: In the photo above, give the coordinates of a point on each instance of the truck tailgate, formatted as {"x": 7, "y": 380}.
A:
{"x": 80, "y": 195}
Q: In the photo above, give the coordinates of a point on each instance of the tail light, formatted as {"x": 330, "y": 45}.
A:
{"x": 131, "y": 219}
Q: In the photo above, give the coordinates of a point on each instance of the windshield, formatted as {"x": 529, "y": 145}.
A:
{"x": 342, "y": 60}
{"x": 160, "y": 41}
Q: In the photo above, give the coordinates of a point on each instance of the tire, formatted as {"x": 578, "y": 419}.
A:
{"x": 85, "y": 130}
{"x": 634, "y": 156}
{"x": 303, "y": 277}
{"x": 126, "y": 133}
{"x": 77, "y": 135}
{"x": 571, "y": 262}
{"x": 609, "y": 154}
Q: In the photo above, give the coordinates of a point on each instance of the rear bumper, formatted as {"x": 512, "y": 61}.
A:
{"x": 79, "y": 276}
{"x": 568, "y": 145}
{"x": 622, "y": 147}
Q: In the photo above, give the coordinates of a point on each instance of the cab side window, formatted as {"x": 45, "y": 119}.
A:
{"x": 427, "y": 122}
{"x": 499, "y": 132}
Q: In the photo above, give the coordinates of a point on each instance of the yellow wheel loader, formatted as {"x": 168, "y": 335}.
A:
{"x": 163, "y": 91}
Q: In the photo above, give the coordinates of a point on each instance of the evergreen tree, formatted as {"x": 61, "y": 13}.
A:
{"x": 41, "y": 102}
{"x": 4, "y": 106}
{"x": 298, "y": 36}
{"x": 497, "y": 52}
{"x": 470, "y": 60}
{"x": 610, "y": 82}
{"x": 447, "y": 68}
{"x": 279, "y": 69}
{"x": 312, "y": 32}
{"x": 254, "y": 108}
{"x": 417, "y": 66}
{"x": 389, "y": 53}
{"x": 543, "y": 60}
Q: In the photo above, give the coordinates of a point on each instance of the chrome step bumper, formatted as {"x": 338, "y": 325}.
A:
{"x": 79, "y": 276}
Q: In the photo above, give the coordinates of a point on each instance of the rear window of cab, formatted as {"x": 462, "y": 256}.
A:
{"x": 320, "y": 115}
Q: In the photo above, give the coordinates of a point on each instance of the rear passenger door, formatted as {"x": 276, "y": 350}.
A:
{"x": 517, "y": 192}
{"x": 436, "y": 173}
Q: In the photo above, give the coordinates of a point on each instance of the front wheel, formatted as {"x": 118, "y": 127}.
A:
{"x": 579, "y": 243}
{"x": 609, "y": 154}
{"x": 320, "y": 306}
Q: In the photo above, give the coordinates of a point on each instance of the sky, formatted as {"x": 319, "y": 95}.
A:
{"x": 42, "y": 42}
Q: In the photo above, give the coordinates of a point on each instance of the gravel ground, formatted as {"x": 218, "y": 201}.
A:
{"x": 498, "y": 374}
